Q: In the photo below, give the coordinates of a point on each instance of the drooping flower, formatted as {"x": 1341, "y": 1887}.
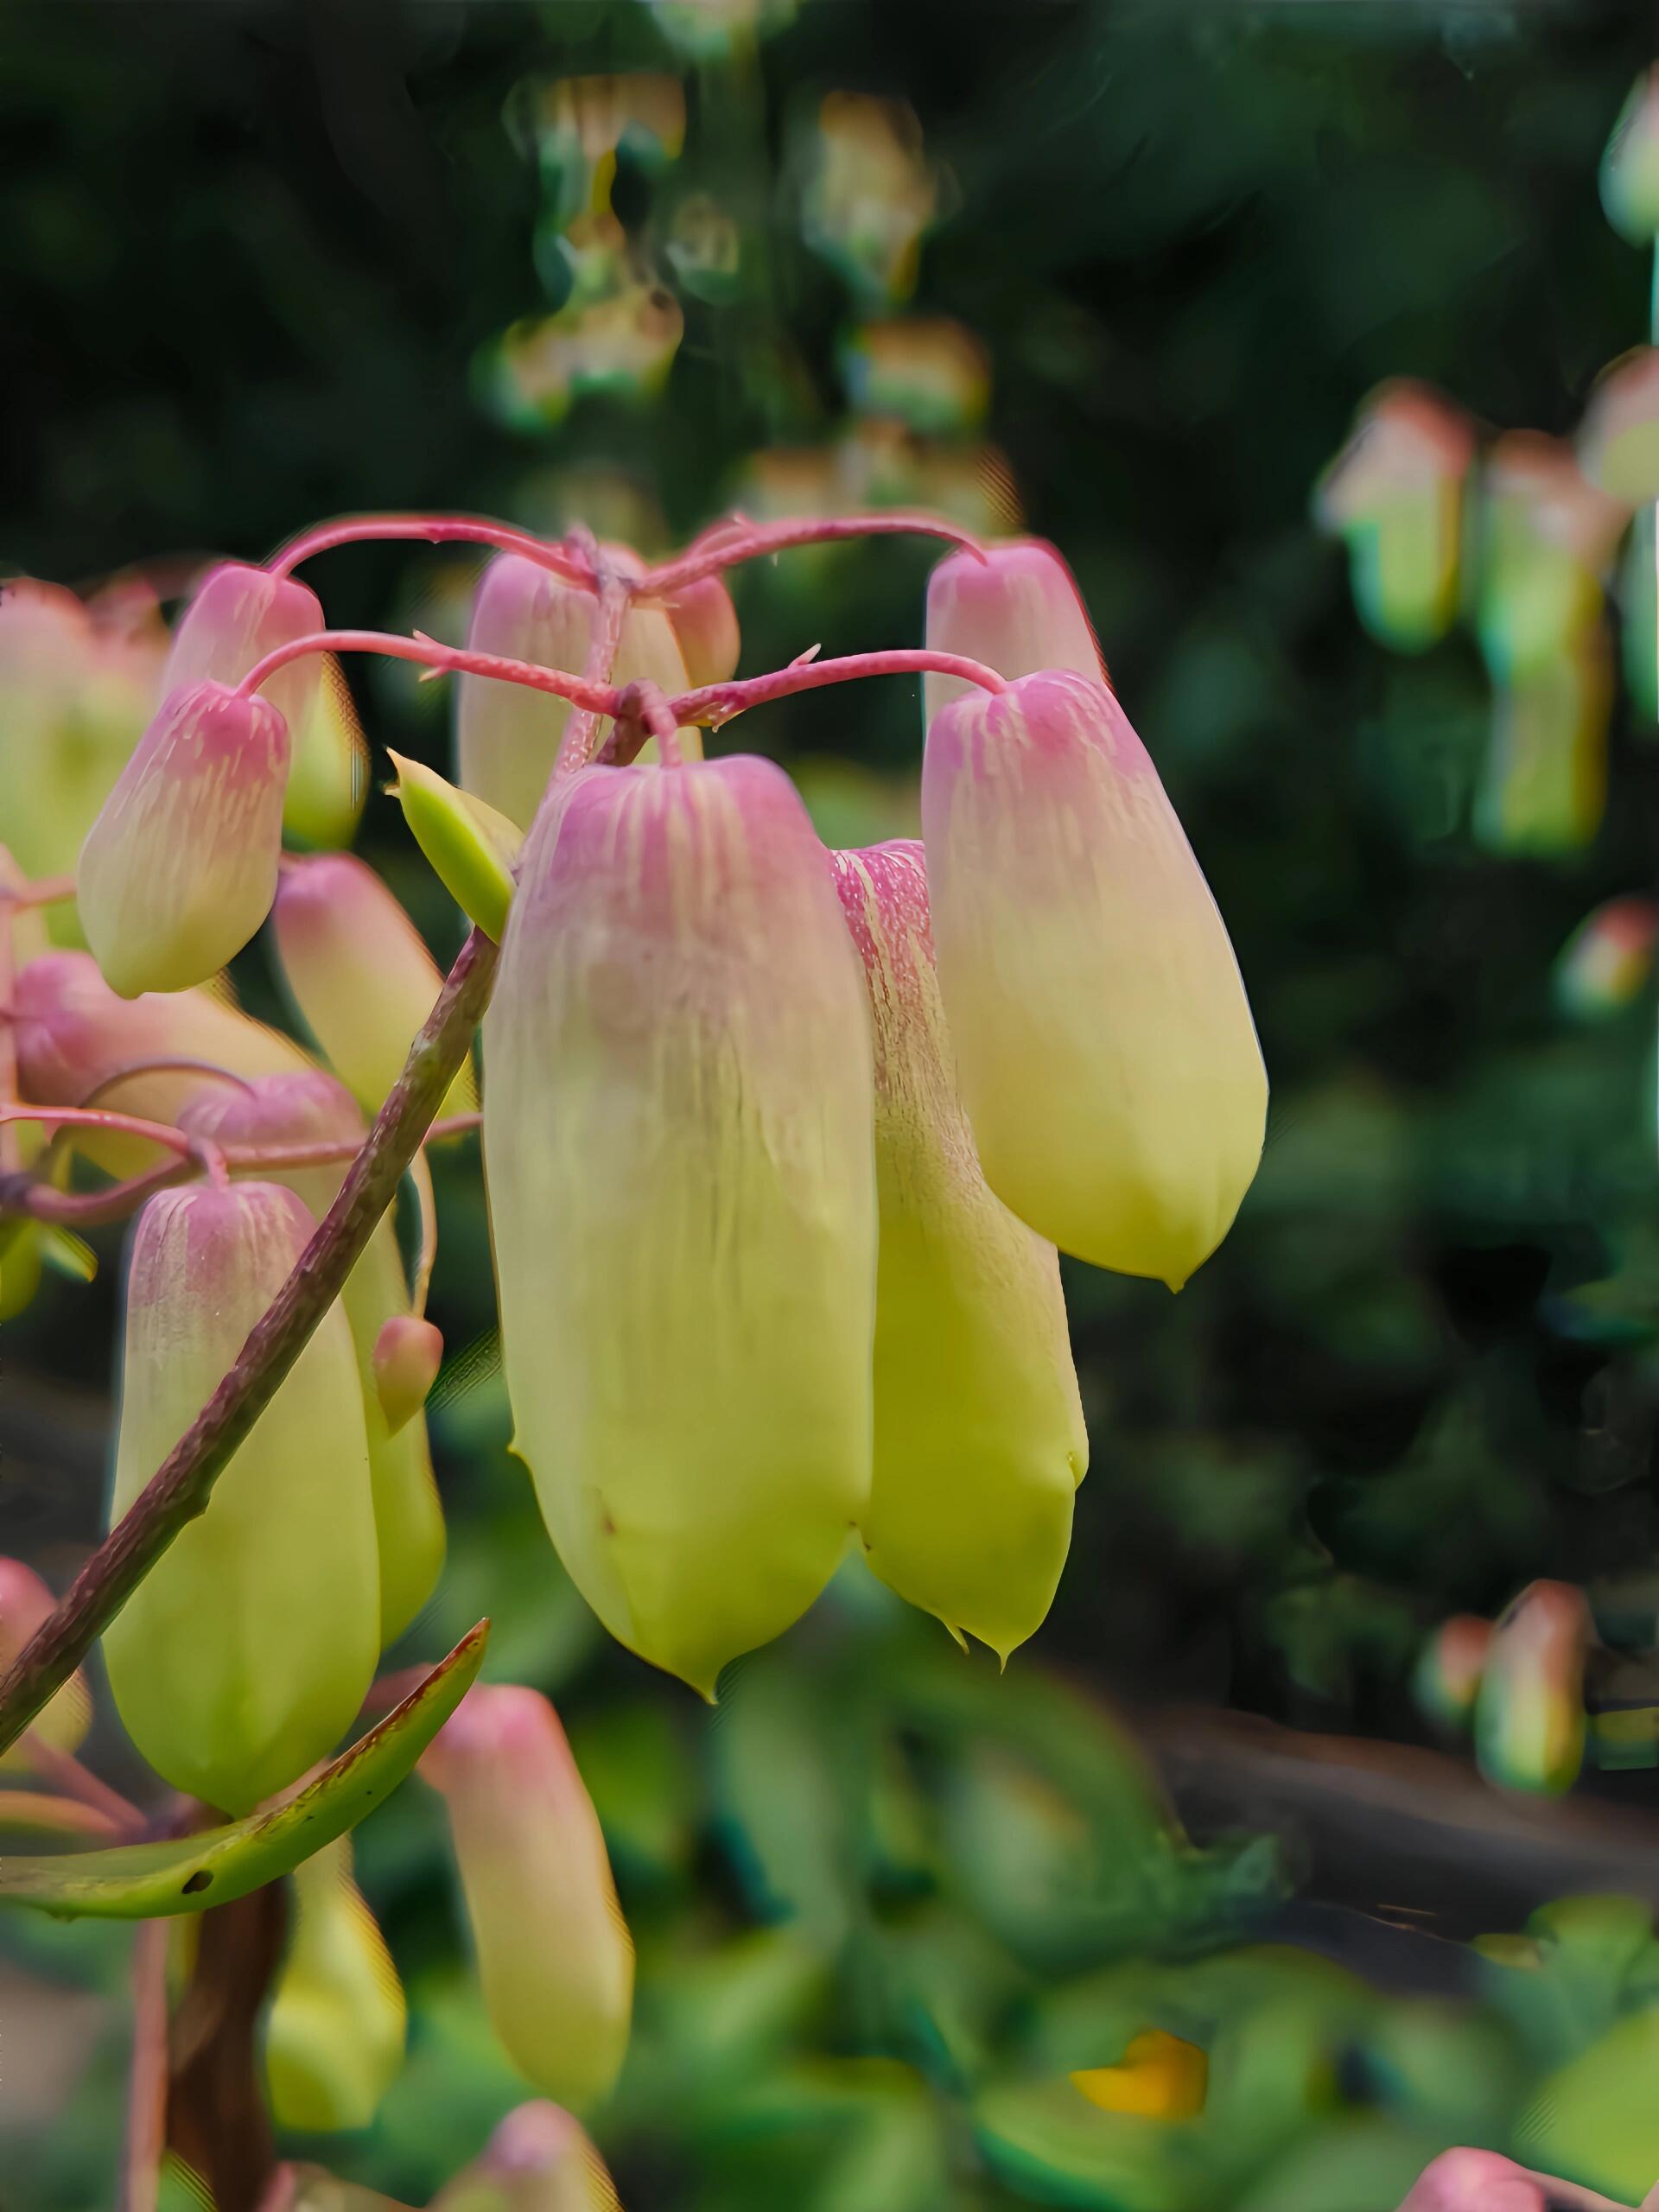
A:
{"x": 979, "y": 1435}
{"x": 539, "y": 2159}
{"x": 1543, "y": 783}
{"x": 1394, "y": 495}
{"x": 25, "y": 1604}
{"x": 245, "y": 1654}
{"x": 1105, "y": 1044}
{"x": 1529, "y": 1717}
{"x": 312, "y": 1109}
{"x": 924, "y": 371}
{"x": 870, "y": 194}
{"x": 79, "y": 1043}
{"x": 237, "y": 615}
{"x": 506, "y": 735}
{"x": 359, "y": 974}
{"x": 334, "y": 2034}
{"x": 1447, "y": 1678}
{"x": 679, "y": 1155}
{"x": 178, "y": 871}
{"x": 1545, "y": 541}
{"x": 78, "y": 681}
{"x": 1017, "y": 610}
{"x": 554, "y": 1956}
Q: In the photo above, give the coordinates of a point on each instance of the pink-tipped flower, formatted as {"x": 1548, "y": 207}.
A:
{"x": 358, "y": 972}
{"x": 1394, "y": 495}
{"x": 1105, "y": 1044}
{"x": 178, "y": 871}
{"x": 507, "y": 736}
{"x": 237, "y": 616}
{"x": 1484, "y": 2181}
{"x": 678, "y": 1152}
{"x": 554, "y": 1956}
{"x": 539, "y": 2159}
{"x": 1018, "y": 611}
{"x": 1448, "y": 1680}
{"x": 242, "y": 1657}
{"x": 311, "y": 1108}
{"x": 25, "y": 1604}
{"x": 1529, "y": 1718}
{"x": 78, "y": 1043}
{"x": 407, "y": 1353}
{"x": 979, "y": 1436}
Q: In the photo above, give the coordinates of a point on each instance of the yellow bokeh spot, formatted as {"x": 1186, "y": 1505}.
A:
{"x": 1158, "y": 2076}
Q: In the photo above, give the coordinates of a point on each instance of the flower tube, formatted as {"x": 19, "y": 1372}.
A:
{"x": 242, "y": 1657}
{"x": 554, "y": 1953}
{"x": 312, "y": 1108}
{"x": 979, "y": 1435}
{"x": 179, "y": 869}
{"x": 1017, "y": 610}
{"x": 237, "y": 615}
{"x": 677, "y": 1149}
{"x": 1105, "y": 1044}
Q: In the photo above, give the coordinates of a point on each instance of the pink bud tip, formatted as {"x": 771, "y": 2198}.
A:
{"x": 238, "y": 615}
{"x": 407, "y": 1354}
{"x": 1017, "y": 608}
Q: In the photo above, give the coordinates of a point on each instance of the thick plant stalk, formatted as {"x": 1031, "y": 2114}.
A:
{"x": 180, "y": 1488}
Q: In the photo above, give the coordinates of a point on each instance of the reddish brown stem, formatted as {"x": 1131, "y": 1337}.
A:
{"x": 431, "y": 530}
{"x": 728, "y": 543}
{"x": 718, "y": 703}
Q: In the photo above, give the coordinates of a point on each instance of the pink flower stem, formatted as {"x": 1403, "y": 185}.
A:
{"x": 445, "y": 660}
{"x": 718, "y": 703}
{"x": 180, "y": 1487}
{"x": 736, "y": 540}
{"x": 580, "y": 738}
{"x": 431, "y": 530}
{"x": 205, "y": 1154}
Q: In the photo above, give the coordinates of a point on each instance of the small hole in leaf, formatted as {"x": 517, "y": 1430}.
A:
{"x": 199, "y": 1880}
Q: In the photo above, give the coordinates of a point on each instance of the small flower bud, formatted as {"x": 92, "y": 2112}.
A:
{"x": 25, "y": 1604}
{"x": 1545, "y": 539}
{"x": 238, "y": 615}
{"x": 554, "y": 1956}
{"x": 1105, "y": 1044}
{"x": 1018, "y": 611}
{"x": 328, "y": 774}
{"x": 334, "y": 2034}
{"x": 539, "y": 2159}
{"x": 78, "y": 1041}
{"x": 678, "y": 1153}
{"x": 358, "y": 973}
{"x": 1530, "y": 1720}
{"x": 177, "y": 872}
{"x": 1448, "y": 1680}
{"x": 244, "y": 1655}
{"x": 472, "y": 848}
{"x": 979, "y": 1434}
{"x": 311, "y": 1108}
{"x": 506, "y": 735}
{"x": 407, "y": 1354}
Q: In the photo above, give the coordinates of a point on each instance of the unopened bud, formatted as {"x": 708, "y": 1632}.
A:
{"x": 334, "y": 2034}
{"x": 1547, "y": 536}
{"x": 1606, "y": 963}
{"x": 1017, "y": 610}
{"x": 1394, "y": 495}
{"x": 26, "y": 1605}
{"x": 1105, "y": 1044}
{"x": 313, "y": 1108}
{"x": 1530, "y": 1719}
{"x": 678, "y": 1150}
{"x": 178, "y": 871}
{"x": 328, "y": 774}
{"x": 979, "y": 1435}
{"x": 555, "y": 1957}
{"x": 236, "y": 616}
{"x": 407, "y": 1354}
{"x": 539, "y": 2159}
{"x": 243, "y": 1655}
{"x": 1448, "y": 1680}
{"x": 472, "y": 848}
{"x": 358, "y": 973}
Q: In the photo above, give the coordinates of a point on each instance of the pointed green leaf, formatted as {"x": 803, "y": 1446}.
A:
{"x": 471, "y": 847}
{"x": 144, "y": 1881}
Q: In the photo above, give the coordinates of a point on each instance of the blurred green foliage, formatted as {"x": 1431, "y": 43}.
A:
{"x": 885, "y": 1901}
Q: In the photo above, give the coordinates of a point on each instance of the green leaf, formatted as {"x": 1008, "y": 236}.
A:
{"x": 145, "y": 1881}
{"x": 470, "y": 846}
